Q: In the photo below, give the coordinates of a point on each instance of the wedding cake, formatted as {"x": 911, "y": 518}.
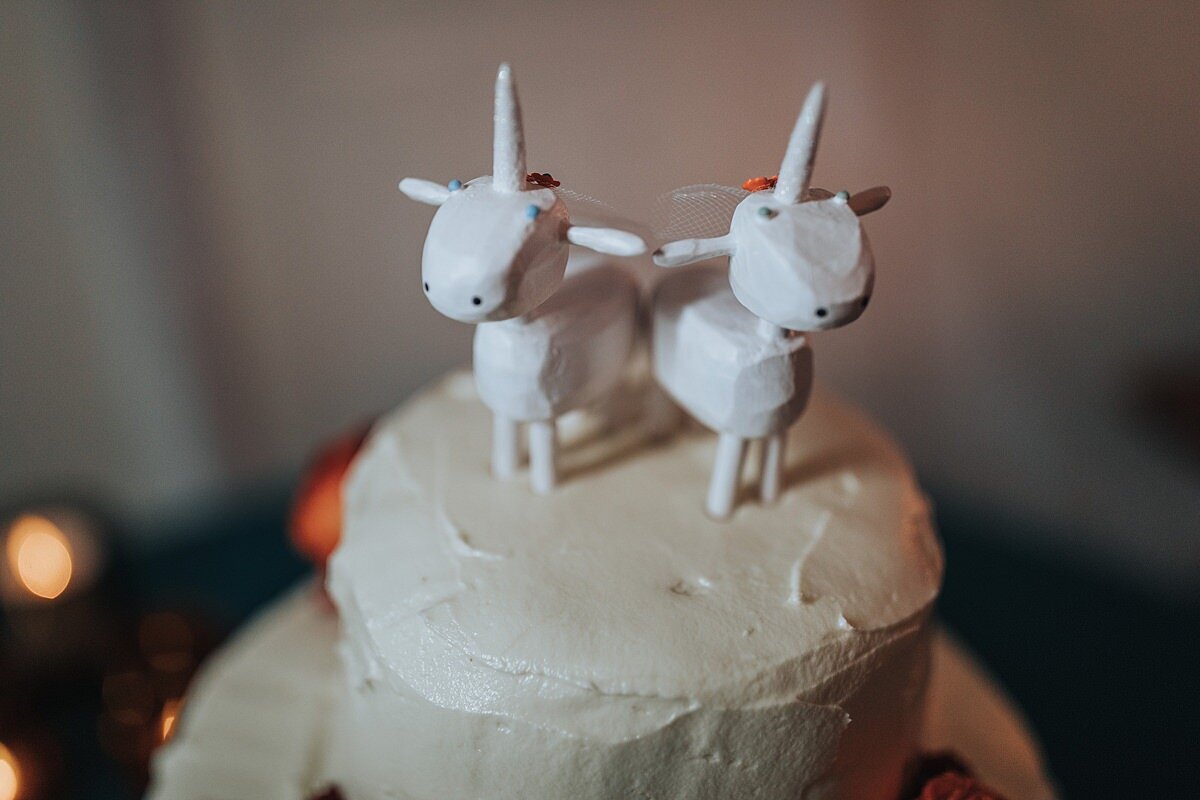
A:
{"x": 534, "y": 596}
{"x": 611, "y": 641}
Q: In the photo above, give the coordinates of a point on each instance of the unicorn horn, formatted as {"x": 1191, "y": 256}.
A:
{"x": 508, "y": 145}
{"x": 796, "y": 170}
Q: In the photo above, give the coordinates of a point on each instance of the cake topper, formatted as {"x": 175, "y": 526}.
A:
{"x": 495, "y": 256}
{"x": 730, "y": 348}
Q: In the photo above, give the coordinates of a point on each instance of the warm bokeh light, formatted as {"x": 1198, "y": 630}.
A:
{"x": 170, "y": 715}
{"x": 39, "y": 556}
{"x": 10, "y": 775}
{"x": 129, "y": 698}
{"x": 167, "y": 642}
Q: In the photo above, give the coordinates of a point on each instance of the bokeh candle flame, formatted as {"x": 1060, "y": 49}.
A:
{"x": 170, "y": 716}
{"x": 39, "y": 556}
{"x": 52, "y": 554}
{"x": 10, "y": 775}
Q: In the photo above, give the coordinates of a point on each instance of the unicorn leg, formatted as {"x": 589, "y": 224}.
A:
{"x": 506, "y": 453}
{"x": 543, "y": 455}
{"x": 771, "y": 476}
{"x": 727, "y": 468}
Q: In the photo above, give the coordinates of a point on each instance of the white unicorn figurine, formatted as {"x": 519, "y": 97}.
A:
{"x": 729, "y": 348}
{"x": 495, "y": 256}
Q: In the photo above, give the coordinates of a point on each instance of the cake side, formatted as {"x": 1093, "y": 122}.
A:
{"x": 610, "y": 640}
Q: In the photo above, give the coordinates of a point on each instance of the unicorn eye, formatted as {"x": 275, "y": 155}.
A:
{"x": 766, "y": 212}
{"x": 454, "y": 185}
{"x": 532, "y": 211}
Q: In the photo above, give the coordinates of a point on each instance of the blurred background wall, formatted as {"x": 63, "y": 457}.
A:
{"x": 205, "y": 267}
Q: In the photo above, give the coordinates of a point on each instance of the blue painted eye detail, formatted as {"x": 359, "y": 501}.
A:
{"x": 766, "y": 212}
{"x": 532, "y": 211}
{"x": 454, "y": 185}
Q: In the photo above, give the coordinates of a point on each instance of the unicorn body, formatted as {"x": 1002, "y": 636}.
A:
{"x": 754, "y": 385}
{"x": 496, "y": 256}
{"x": 566, "y": 353}
{"x": 730, "y": 348}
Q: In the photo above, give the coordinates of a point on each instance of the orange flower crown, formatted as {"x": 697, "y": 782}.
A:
{"x": 760, "y": 183}
{"x": 543, "y": 179}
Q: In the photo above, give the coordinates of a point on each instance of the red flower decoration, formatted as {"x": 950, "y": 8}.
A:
{"x": 543, "y": 179}
{"x": 316, "y": 519}
{"x": 760, "y": 183}
{"x": 332, "y": 793}
{"x": 956, "y": 786}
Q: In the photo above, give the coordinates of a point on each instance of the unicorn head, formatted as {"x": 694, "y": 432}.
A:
{"x": 799, "y": 258}
{"x": 497, "y": 246}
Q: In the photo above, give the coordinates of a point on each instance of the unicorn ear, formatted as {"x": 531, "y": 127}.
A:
{"x": 869, "y": 200}
{"x": 428, "y": 192}
{"x": 606, "y": 240}
{"x": 687, "y": 251}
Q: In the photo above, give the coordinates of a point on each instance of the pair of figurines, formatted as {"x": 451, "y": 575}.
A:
{"x": 727, "y": 346}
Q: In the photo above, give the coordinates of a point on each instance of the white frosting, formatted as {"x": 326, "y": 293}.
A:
{"x": 252, "y": 727}
{"x": 251, "y": 744}
{"x": 609, "y": 640}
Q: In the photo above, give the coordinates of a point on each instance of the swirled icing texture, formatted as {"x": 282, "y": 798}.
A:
{"x": 609, "y": 641}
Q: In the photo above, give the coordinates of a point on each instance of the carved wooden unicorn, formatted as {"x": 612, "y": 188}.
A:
{"x": 495, "y": 256}
{"x": 729, "y": 348}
